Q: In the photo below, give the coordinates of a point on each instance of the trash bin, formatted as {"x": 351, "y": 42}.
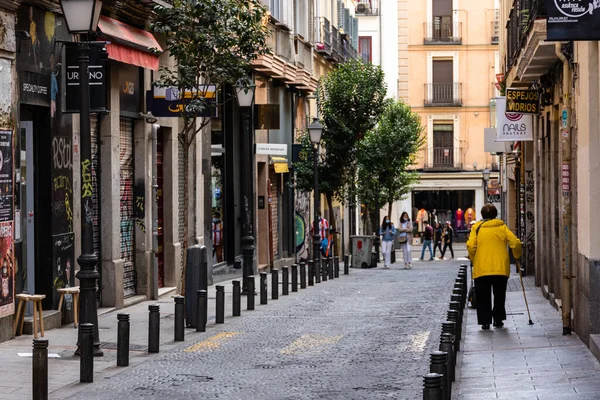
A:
{"x": 361, "y": 251}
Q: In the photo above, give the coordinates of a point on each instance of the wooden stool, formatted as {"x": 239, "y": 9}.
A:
{"x": 72, "y": 291}
{"x": 36, "y": 299}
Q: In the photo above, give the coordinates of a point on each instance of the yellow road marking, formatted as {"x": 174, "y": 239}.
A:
{"x": 212, "y": 343}
{"x": 309, "y": 342}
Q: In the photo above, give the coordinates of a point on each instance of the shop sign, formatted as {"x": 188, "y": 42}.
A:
{"x": 35, "y": 89}
{"x": 521, "y": 101}
{"x": 97, "y": 72}
{"x": 272, "y": 149}
{"x": 512, "y": 127}
{"x": 129, "y": 88}
{"x": 169, "y": 102}
{"x": 573, "y": 19}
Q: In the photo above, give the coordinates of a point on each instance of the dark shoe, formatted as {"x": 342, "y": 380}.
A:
{"x": 498, "y": 324}
{"x": 485, "y": 327}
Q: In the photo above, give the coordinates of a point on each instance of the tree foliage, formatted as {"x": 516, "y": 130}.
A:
{"x": 385, "y": 155}
{"x": 212, "y": 43}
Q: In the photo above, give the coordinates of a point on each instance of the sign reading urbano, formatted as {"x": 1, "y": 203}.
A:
{"x": 573, "y": 19}
{"x": 520, "y": 101}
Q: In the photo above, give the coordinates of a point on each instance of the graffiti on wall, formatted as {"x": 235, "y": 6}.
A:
{"x": 530, "y": 219}
{"x": 302, "y": 215}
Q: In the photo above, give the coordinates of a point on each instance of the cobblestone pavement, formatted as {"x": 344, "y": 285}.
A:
{"x": 363, "y": 336}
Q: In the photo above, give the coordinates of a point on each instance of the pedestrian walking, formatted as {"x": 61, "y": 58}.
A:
{"x": 448, "y": 238}
{"x": 427, "y": 238}
{"x": 388, "y": 234}
{"x": 405, "y": 238}
{"x": 437, "y": 238}
{"x": 491, "y": 265}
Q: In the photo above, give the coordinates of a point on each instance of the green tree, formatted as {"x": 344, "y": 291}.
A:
{"x": 350, "y": 100}
{"x": 385, "y": 155}
{"x": 213, "y": 44}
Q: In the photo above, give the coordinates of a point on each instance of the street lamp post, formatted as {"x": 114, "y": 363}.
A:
{"x": 82, "y": 18}
{"x": 315, "y": 130}
{"x": 486, "y": 179}
{"x": 245, "y": 98}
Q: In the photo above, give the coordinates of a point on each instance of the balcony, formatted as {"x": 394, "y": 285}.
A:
{"x": 442, "y": 33}
{"x": 332, "y": 44}
{"x": 366, "y": 8}
{"x": 495, "y": 32}
{"x": 443, "y": 95}
{"x": 442, "y": 159}
{"x": 323, "y": 37}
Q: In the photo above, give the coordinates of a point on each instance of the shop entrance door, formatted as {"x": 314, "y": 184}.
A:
{"x": 27, "y": 233}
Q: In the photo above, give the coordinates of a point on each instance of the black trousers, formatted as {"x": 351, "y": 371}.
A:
{"x": 483, "y": 290}
{"x": 437, "y": 245}
{"x": 448, "y": 245}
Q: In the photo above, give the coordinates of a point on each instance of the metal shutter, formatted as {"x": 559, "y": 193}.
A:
{"x": 181, "y": 194}
{"x": 94, "y": 124}
{"x": 127, "y": 213}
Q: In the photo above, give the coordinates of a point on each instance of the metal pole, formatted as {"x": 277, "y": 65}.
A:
{"x": 330, "y": 267}
{"x": 201, "y": 311}
{"x": 285, "y": 281}
{"x": 247, "y": 195}
{"x": 250, "y": 295}
{"x": 336, "y": 266}
{"x": 153, "y": 328}
{"x": 86, "y": 360}
{"x": 263, "y": 288}
{"x": 179, "y": 317}
{"x": 122, "y": 340}
{"x": 311, "y": 273}
{"x": 324, "y": 269}
{"x": 236, "y": 303}
{"x": 302, "y": 275}
{"x": 87, "y": 261}
{"x": 220, "y": 305}
{"x": 40, "y": 369}
{"x": 346, "y": 265}
{"x": 317, "y": 205}
{"x": 274, "y": 284}
{"x": 294, "y": 277}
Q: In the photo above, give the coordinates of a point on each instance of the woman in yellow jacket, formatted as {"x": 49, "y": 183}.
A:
{"x": 491, "y": 265}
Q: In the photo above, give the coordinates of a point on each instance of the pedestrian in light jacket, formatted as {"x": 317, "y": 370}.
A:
{"x": 491, "y": 265}
{"x": 405, "y": 238}
{"x": 388, "y": 233}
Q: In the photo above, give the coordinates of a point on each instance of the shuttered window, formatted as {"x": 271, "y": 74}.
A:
{"x": 127, "y": 211}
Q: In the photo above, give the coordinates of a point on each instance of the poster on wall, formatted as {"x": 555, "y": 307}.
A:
{"x": 573, "y": 19}
{"x": 6, "y": 176}
{"x": 511, "y": 126}
{"x": 7, "y": 269}
{"x": 62, "y": 260}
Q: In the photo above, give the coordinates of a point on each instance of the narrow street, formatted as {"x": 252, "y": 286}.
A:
{"x": 366, "y": 335}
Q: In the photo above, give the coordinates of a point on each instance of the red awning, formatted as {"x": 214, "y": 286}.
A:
{"x": 130, "y": 45}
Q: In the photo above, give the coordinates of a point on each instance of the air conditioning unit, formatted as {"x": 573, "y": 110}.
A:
{"x": 363, "y": 8}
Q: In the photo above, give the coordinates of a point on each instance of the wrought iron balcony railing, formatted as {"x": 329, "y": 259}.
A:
{"x": 442, "y": 158}
{"x": 442, "y": 33}
{"x": 443, "y": 95}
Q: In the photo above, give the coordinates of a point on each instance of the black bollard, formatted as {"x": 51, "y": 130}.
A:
{"x": 123, "y": 338}
{"x": 263, "y": 288}
{"x": 311, "y": 273}
{"x": 302, "y": 275}
{"x": 432, "y": 387}
{"x": 86, "y": 358}
{"x": 220, "y": 305}
{"x": 40, "y": 369}
{"x": 285, "y": 281}
{"x": 237, "y": 298}
{"x": 447, "y": 345}
{"x": 201, "y": 311}
{"x": 449, "y": 328}
{"x": 274, "y": 284}
{"x": 458, "y": 298}
{"x": 179, "y": 317}
{"x": 153, "y": 328}
{"x": 336, "y": 263}
{"x": 294, "y": 277}
{"x": 250, "y": 295}
{"x": 324, "y": 269}
{"x": 453, "y": 316}
{"x": 346, "y": 265}
{"x": 439, "y": 365}
{"x": 317, "y": 269}
{"x": 330, "y": 267}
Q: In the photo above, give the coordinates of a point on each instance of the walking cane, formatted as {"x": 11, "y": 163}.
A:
{"x": 523, "y": 287}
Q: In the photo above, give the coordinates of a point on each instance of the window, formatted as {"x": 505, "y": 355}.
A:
{"x": 443, "y": 87}
{"x": 443, "y": 145}
{"x": 364, "y": 48}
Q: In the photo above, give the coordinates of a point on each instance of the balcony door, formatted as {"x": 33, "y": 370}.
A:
{"x": 442, "y": 20}
{"x": 443, "y": 86}
{"x": 443, "y": 146}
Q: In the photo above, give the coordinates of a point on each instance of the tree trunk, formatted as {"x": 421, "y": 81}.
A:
{"x": 390, "y": 206}
{"x": 329, "y": 197}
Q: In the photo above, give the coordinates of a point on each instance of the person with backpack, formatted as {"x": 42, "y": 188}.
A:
{"x": 427, "y": 238}
{"x": 491, "y": 265}
{"x": 448, "y": 237}
{"x": 388, "y": 234}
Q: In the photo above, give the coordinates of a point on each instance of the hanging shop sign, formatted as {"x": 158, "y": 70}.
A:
{"x": 168, "y": 101}
{"x": 512, "y": 127}
{"x": 521, "y": 101}
{"x": 272, "y": 149}
{"x": 573, "y": 19}
{"x": 97, "y": 72}
{"x": 35, "y": 88}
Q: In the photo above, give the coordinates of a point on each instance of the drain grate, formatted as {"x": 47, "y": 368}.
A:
{"x": 132, "y": 346}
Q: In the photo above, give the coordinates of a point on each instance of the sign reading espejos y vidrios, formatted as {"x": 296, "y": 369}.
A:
{"x": 521, "y": 101}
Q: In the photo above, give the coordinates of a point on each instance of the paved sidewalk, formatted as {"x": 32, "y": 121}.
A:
{"x": 521, "y": 361}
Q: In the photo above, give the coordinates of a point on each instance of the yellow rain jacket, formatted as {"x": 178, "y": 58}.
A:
{"x": 487, "y": 249}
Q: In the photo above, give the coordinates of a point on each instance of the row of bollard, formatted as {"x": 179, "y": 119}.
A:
{"x": 437, "y": 384}
{"x": 330, "y": 270}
